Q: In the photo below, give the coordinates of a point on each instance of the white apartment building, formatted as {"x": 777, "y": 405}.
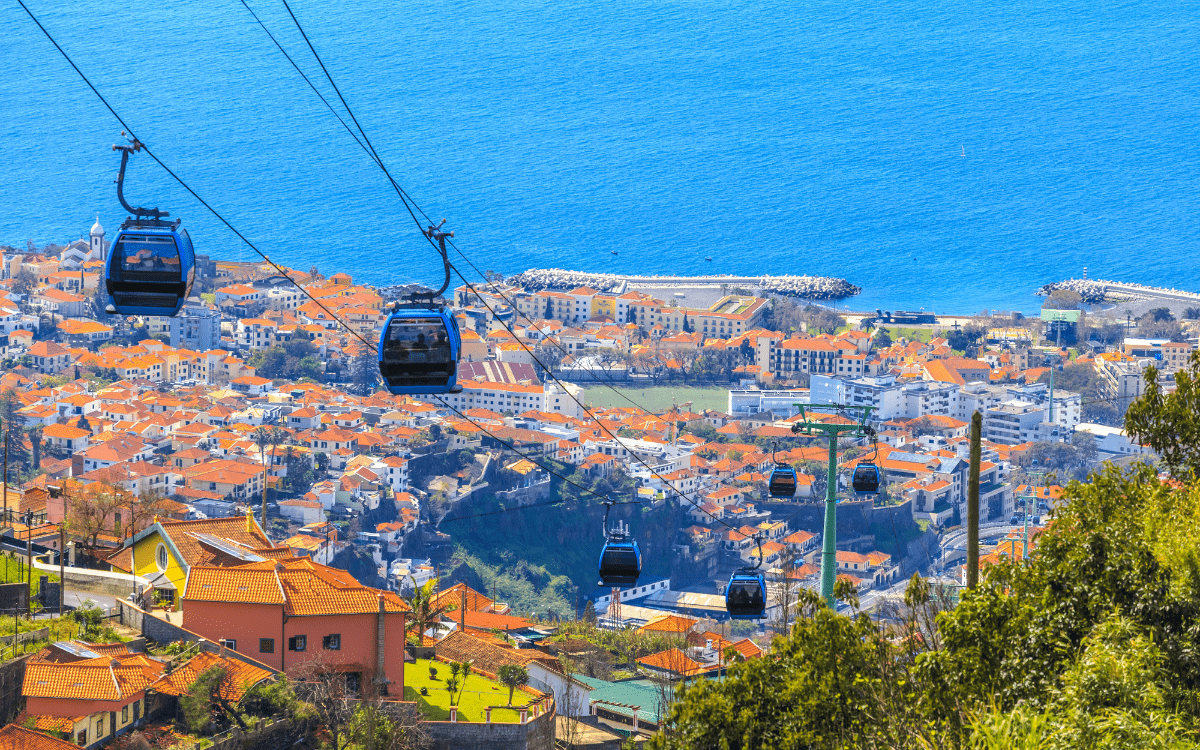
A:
{"x": 516, "y": 397}
{"x": 1113, "y": 442}
{"x": 888, "y": 397}
{"x": 781, "y": 403}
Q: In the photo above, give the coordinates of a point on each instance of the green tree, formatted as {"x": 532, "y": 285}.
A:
{"x": 426, "y": 610}
{"x": 201, "y": 704}
{"x": 264, "y": 436}
{"x": 1063, "y": 299}
{"x": 513, "y": 676}
{"x": 1167, "y": 423}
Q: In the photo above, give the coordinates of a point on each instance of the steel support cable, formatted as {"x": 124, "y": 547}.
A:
{"x": 247, "y": 241}
{"x": 405, "y": 197}
{"x": 507, "y": 327}
{"x": 511, "y": 447}
{"x": 178, "y": 179}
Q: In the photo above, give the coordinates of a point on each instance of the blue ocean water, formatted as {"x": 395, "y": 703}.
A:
{"x": 824, "y": 138}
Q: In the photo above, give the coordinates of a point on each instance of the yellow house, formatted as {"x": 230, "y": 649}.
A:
{"x": 604, "y": 306}
{"x": 165, "y": 551}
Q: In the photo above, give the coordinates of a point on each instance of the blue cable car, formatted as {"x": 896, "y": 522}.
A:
{"x": 418, "y": 350}
{"x": 151, "y": 263}
{"x": 866, "y": 478}
{"x": 782, "y": 483}
{"x": 620, "y": 563}
{"x": 746, "y": 594}
{"x": 420, "y": 344}
{"x": 620, "y": 558}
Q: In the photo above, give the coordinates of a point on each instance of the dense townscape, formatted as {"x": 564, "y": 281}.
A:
{"x": 222, "y": 530}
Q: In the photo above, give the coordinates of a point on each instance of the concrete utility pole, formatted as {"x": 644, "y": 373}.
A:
{"x": 29, "y": 558}
{"x": 62, "y": 573}
{"x": 973, "y": 503}
{"x": 831, "y": 431}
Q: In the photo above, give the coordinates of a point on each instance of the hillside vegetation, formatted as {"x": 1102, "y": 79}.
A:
{"x": 539, "y": 558}
{"x": 1093, "y": 642}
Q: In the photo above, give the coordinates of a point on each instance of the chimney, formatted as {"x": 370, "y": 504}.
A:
{"x": 380, "y": 631}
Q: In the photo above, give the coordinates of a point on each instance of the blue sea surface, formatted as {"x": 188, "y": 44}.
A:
{"x": 823, "y": 138}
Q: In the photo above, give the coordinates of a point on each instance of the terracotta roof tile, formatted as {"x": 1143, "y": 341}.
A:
{"x": 239, "y": 676}
{"x": 13, "y": 737}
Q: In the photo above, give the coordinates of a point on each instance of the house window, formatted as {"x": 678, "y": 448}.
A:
{"x": 81, "y": 737}
{"x": 100, "y": 727}
{"x": 297, "y": 643}
{"x": 229, "y": 643}
{"x": 160, "y": 556}
{"x": 266, "y": 645}
{"x": 124, "y": 714}
{"x": 332, "y": 642}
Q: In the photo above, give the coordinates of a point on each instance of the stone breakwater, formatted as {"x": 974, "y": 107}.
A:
{"x": 1092, "y": 291}
{"x": 807, "y": 287}
{"x": 1096, "y": 291}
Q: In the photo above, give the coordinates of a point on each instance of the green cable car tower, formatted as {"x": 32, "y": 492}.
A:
{"x": 850, "y": 421}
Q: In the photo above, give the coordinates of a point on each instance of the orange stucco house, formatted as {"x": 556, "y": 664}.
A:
{"x": 91, "y": 700}
{"x": 289, "y": 613}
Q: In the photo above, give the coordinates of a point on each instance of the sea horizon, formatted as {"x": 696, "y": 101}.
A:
{"x": 940, "y": 160}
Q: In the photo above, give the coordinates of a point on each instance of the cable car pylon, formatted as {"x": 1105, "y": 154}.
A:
{"x": 831, "y": 430}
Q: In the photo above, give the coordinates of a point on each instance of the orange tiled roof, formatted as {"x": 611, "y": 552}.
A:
{"x": 302, "y": 586}
{"x": 13, "y": 737}
{"x": 233, "y": 528}
{"x": 239, "y": 676}
{"x": 672, "y": 660}
{"x": 670, "y": 624}
{"x": 476, "y": 602}
{"x": 104, "y": 678}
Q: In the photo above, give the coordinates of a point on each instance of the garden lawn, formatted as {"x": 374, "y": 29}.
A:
{"x": 474, "y": 695}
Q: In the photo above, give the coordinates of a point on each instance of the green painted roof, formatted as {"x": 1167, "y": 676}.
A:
{"x": 642, "y": 693}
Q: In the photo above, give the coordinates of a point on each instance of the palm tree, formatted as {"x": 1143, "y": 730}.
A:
{"x": 425, "y": 609}
{"x": 513, "y": 676}
{"x": 262, "y": 437}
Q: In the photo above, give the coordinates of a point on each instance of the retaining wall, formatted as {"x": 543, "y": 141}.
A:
{"x": 14, "y": 597}
{"x": 12, "y": 675}
{"x": 90, "y": 581}
{"x": 535, "y": 734}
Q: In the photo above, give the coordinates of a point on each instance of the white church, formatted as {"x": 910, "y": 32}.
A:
{"x": 81, "y": 251}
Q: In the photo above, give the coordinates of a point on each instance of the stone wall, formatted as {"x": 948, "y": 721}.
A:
{"x": 161, "y": 631}
{"x": 14, "y": 598}
{"x": 535, "y": 734}
{"x": 89, "y": 581}
{"x": 12, "y": 675}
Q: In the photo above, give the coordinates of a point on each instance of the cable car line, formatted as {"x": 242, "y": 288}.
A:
{"x": 518, "y": 452}
{"x": 531, "y": 505}
{"x": 308, "y": 81}
{"x": 407, "y": 199}
{"x": 178, "y": 179}
{"x": 429, "y": 236}
{"x": 279, "y": 268}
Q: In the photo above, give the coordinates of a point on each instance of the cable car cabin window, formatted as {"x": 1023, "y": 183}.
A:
{"x": 148, "y": 257}
{"x": 416, "y": 340}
